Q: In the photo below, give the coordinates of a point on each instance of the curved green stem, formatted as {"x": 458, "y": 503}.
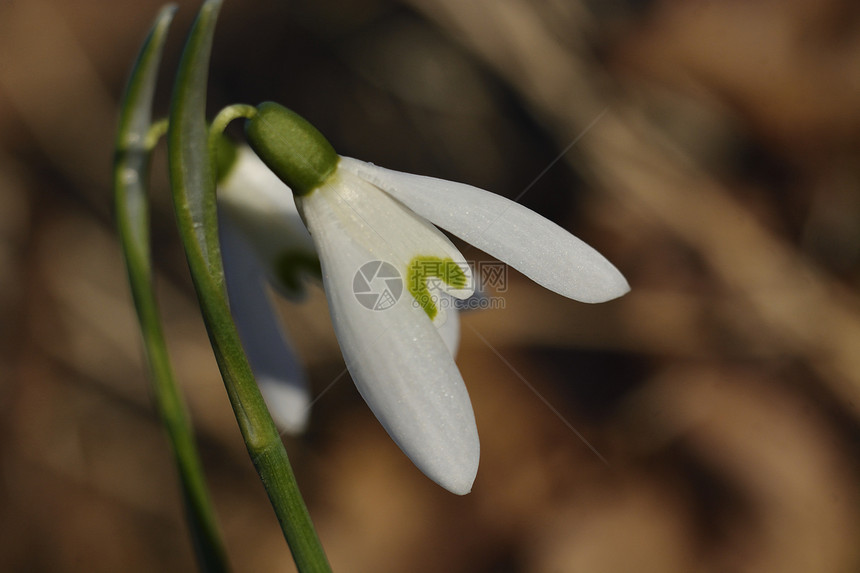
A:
{"x": 137, "y": 135}
{"x": 192, "y": 178}
{"x": 155, "y": 132}
{"x": 228, "y": 114}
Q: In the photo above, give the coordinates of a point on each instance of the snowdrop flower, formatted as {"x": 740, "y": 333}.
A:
{"x": 359, "y": 214}
{"x": 263, "y": 241}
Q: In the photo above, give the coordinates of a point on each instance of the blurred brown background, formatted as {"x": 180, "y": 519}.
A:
{"x": 709, "y": 149}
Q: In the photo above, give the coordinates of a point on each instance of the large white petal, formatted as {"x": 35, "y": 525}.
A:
{"x": 530, "y": 243}
{"x": 399, "y": 362}
{"x": 277, "y": 370}
{"x": 262, "y": 207}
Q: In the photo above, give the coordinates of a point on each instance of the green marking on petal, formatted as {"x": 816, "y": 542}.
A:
{"x": 422, "y": 268}
{"x": 292, "y": 266}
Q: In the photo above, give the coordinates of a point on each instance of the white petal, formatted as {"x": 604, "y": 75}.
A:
{"x": 393, "y": 233}
{"x": 399, "y": 363}
{"x": 262, "y": 207}
{"x": 532, "y": 244}
{"x": 276, "y": 368}
{"x": 449, "y": 327}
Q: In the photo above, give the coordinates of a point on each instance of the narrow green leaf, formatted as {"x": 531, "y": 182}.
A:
{"x": 190, "y": 164}
{"x": 192, "y": 178}
{"x": 131, "y": 171}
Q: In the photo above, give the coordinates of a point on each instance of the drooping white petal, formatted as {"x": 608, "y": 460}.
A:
{"x": 277, "y": 370}
{"x": 262, "y": 208}
{"x": 537, "y": 247}
{"x": 399, "y": 362}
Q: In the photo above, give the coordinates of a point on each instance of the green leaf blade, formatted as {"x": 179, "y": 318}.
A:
{"x": 131, "y": 169}
{"x": 191, "y": 169}
{"x": 192, "y": 178}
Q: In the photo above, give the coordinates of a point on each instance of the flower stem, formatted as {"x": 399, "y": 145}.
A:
{"x": 192, "y": 178}
{"x": 137, "y": 136}
{"x": 228, "y": 114}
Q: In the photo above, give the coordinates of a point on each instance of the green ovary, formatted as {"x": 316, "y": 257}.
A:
{"x": 421, "y": 268}
{"x": 291, "y": 147}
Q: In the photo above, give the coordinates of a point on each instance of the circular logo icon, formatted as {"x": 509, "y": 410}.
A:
{"x": 377, "y": 285}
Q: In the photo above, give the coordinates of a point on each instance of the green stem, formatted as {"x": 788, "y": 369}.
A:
{"x": 228, "y": 114}
{"x": 155, "y": 132}
{"x": 170, "y": 404}
{"x": 136, "y": 137}
{"x": 192, "y": 179}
